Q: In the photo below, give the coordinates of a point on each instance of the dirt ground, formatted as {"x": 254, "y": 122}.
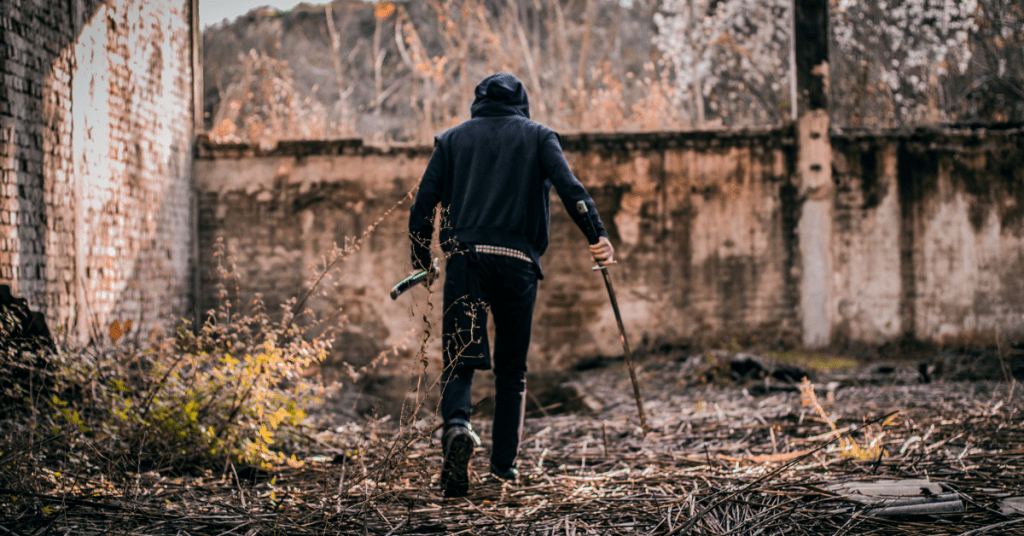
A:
{"x": 731, "y": 448}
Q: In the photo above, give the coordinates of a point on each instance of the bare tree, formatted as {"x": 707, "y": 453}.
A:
{"x": 342, "y": 110}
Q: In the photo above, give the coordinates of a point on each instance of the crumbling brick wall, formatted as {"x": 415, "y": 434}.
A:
{"x": 37, "y": 244}
{"x": 700, "y": 221}
{"x": 926, "y": 241}
{"x": 96, "y": 201}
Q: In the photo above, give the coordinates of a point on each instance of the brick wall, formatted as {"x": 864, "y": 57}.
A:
{"x": 96, "y": 202}
{"x": 37, "y": 242}
{"x": 926, "y": 239}
{"x": 699, "y": 219}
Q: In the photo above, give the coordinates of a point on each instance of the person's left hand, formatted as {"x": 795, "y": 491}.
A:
{"x": 603, "y": 251}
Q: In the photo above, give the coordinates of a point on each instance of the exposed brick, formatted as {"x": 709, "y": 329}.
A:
{"x": 705, "y": 226}
{"x": 49, "y": 141}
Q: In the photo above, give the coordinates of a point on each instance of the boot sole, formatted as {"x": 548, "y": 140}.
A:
{"x": 514, "y": 478}
{"x": 455, "y": 473}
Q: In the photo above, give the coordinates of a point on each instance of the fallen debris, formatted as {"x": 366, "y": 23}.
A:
{"x": 717, "y": 460}
{"x": 1012, "y": 506}
{"x": 900, "y": 497}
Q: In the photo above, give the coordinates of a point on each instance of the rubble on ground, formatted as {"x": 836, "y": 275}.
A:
{"x": 720, "y": 457}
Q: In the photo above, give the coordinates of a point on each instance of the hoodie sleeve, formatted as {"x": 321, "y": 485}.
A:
{"x": 569, "y": 189}
{"x": 421, "y": 215}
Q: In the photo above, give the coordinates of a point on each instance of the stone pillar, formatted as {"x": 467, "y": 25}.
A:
{"x": 814, "y": 168}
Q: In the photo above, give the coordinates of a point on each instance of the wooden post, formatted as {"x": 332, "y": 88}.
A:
{"x": 814, "y": 167}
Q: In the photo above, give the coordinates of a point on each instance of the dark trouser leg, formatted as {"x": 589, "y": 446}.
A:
{"x": 464, "y": 337}
{"x": 456, "y": 390}
{"x": 513, "y": 317}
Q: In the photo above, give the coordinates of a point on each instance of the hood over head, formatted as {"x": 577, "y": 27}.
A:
{"x": 500, "y": 94}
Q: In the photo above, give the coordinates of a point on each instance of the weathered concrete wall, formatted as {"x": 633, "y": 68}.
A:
{"x": 927, "y": 239}
{"x": 279, "y": 214}
{"x": 96, "y": 198}
{"x": 930, "y": 237}
{"x": 704, "y": 243}
{"x": 700, "y": 221}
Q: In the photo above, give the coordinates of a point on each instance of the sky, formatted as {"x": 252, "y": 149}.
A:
{"x": 214, "y": 11}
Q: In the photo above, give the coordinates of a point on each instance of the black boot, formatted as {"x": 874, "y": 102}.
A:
{"x": 510, "y": 474}
{"x": 457, "y": 445}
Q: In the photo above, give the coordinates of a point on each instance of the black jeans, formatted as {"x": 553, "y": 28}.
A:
{"x": 507, "y": 288}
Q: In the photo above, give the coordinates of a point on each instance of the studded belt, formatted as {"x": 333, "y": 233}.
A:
{"x": 499, "y": 250}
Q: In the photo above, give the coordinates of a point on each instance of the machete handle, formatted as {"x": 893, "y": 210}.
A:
{"x": 581, "y": 207}
{"x": 415, "y": 279}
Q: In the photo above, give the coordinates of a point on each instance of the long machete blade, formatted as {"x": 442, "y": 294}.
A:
{"x": 581, "y": 207}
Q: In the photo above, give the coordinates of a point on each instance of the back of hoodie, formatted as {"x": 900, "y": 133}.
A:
{"x": 492, "y": 176}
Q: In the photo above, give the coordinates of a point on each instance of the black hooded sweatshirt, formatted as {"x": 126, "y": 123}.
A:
{"x": 493, "y": 176}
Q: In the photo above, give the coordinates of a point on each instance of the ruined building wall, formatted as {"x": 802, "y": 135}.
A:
{"x": 96, "y": 198}
{"x": 929, "y": 240}
{"x": 699, "y": 221}
{"x": 926, "y": 240}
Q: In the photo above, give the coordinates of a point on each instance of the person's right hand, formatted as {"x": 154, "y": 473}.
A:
{"x": 433, "y": 272}
{"x": 603, "y": 251}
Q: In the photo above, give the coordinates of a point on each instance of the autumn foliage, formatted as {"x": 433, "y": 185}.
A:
{"x": 232, "y": 390}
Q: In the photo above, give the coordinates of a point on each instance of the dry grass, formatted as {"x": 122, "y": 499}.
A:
{"x": 717, "y": 461}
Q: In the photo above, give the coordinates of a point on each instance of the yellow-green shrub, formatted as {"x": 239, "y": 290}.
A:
{"x": 230, "y": 390}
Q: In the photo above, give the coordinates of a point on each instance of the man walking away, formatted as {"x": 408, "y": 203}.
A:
{"x": 492, "y": 176}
